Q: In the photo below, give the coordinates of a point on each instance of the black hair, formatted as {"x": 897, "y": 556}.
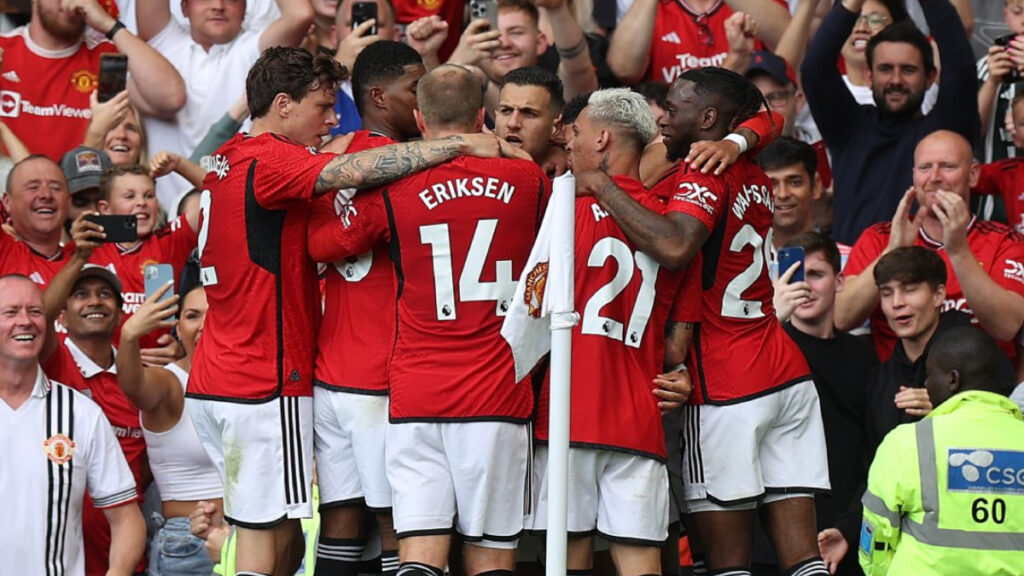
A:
{"x": 292, "y": 71}
{"x": 813, "y": 242}
{"x": 537, "y": 76}
{"x": 379, "y": 63}
{"x": 903, "y": 33}
{"x": 975, "y": 356}
{"x": 571, "y": 110}
{"x": 653, "y": 91}
{"x": 786, "y": 151}
{"x": 910, "y": 265}
{"x": 736, "y": 98}
{"x": 898, "y": 10}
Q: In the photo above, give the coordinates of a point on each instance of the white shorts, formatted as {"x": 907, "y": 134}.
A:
{"x": 264, "y": 454}
{"x": 774, "y": 444}
{"x": 621, "y": 496}
{"x": 475, "y": 471}
{"x": 349, "y": 431}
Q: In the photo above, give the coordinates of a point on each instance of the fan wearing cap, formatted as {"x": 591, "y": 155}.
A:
{"x": 774, "y": 77}
{"x": 83, "y": 167}
{"x": 90, "y": 296}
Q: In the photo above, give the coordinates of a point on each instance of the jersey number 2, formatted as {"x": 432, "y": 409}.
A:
{"x": 733, "y": 305}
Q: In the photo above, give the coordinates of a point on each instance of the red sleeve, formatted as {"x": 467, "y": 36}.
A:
{"x": 767, "y": 125}
{"x": 339, "y": 228}
{"x": 288, "y": 174}
{"x": 989, "y": 181}
{"x": 701, "y": 196}
{"x": 870, "y": 244}
{"x": 1008, "y": 271}
{"x": 686, "y": 307}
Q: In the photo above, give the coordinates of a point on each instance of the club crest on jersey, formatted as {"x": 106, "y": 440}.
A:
{"x": 533, "y": 296}
{"x": 84, "y": 81}
{"x": 696, "y": 194}
{"x": 59, "y": 448}
{"x": 219, "y": 166}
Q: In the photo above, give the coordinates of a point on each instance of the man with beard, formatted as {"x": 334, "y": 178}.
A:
{"x": 50, "y": 69}
{"x": 872, "y": 147}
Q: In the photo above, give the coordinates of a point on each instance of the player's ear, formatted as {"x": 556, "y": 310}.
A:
{"x": 481, "y": 117}
{"x": 604, "y": 138}
{"x": 420, "y": 125}
{"x": 377, "y": 96}
{"x": 282, "y": 104}
{"x": 708, "y": 117}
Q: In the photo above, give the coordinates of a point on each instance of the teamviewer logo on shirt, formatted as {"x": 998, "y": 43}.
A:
{"x": 10, "y": 104}
{"x": 993, "y": 471}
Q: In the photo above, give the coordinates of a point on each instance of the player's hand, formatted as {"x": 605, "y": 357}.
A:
{"x": 953, "y": 213}
{"x": 477, "y": 42}
{"x": 107, "y": 115}
{"x": 95, "y": 16}
{"x": 788, "y": 297}
{"x": 353, "y": 44}
{"x": 741, "y": 33}
{"x": 169, "y": 350}
{"x": 427, "y": 34}
{"x": 672, "y": 390}
{"x": 708, "y": 155}
{"x": 151, "y": 315}
{"x": 339, "y": 144}
{"x": 163, "y": 162}
{"x": 904, "y": 228}
{"x": 1000, "y": 64}
{"x": 913, "y": 401}
{"x": 489, "y": 146}
{"x": 832, "y": 547}
{"x": 589, "y": 182}
{"x": 86, "y": 234}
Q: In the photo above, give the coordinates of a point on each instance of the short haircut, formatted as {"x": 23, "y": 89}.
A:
{"x": 292, "y": 71}
{"x": 911, "y": 265}
{"x": 110, "y": 175}
{"x": 449, "y": 96}
{"x": 521, "y": 5}
{"x": 736, "y": 98}
{"x": 653, "y": 91}
{"x": 29, "y": 158}
{"x": 626, "y": 111}
{"x": 903, "y": 33}
{"x": 537, "y": 76}
{"x": 571, "y": 110}
{"x": 814, "y": 242}
{"x": 787, "y": 151}
{"x": 382, "y": 62}
{"x": 976, "y": 356}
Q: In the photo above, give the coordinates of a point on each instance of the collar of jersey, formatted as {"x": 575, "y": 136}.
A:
{"x": 86, "y": 366}
{"x": 937, "y": 244}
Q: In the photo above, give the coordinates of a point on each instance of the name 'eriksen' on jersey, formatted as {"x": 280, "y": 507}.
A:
{"x": 442, "y": 192}
{"x": 752, "y": 194}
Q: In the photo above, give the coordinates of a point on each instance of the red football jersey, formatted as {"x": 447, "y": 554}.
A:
{"x": 44, "y": 94}
{"x": 618, "y": 347}
{"x": 687, "y": 306}
{"x": 451, "y": 11}
{"x": 171, "y": 244}
{"x": 739, "y": 349}
{"x": 683, "y": 40}
{"x": 1005, "y": 178}
{"x": 998, "y": 249}
{"x": 258, "y": 339}
{"x": 461, "y": 233}
{"x": 18, "y": 258}
{"x": 358, "y": 330}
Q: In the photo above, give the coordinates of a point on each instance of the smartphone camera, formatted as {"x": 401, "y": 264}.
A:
{"x": 363, "y": 11}
{"x": 1004, "y": 41}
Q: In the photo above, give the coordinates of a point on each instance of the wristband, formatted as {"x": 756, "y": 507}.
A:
{"x": 679, "y": 368}
{"x": 118, "y": 25}
{"x": 738, "y": 140}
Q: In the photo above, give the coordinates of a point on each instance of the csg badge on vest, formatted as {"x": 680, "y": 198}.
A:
{"x": 990, "y": 471}
{"x": 59, "y": 448}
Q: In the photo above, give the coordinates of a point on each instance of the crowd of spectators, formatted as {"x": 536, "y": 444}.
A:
{"x": 888, "y": 144}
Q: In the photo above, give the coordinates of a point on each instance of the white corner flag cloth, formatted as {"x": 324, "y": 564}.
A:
{"x": 543, "y": 298}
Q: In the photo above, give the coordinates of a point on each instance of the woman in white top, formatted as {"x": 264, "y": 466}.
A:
{"x": 183, "y": 472}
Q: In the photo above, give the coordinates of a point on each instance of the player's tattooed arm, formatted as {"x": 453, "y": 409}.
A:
{"x": 672, "y": 240}
{"x": 678, "y": 336}
{"x": 379, "y": 166}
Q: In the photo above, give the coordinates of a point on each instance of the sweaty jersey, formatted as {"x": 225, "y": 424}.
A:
{"x": 460, "y": 234}
{"x": 258, "y": 340}
{"x": 171, "y": 244}
{"x": 684, "y": 40}
{"x": 998, "y": 249}
{"x": 19, "y": 258}
{"x": 44, "y": 94}
{"x": 355, "y": 338}
{"x": 618, "y": 346}
{"x": 739, "y": 349}
{"x": 1005, "y": 178}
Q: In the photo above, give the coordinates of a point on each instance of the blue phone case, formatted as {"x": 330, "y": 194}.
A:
{"x": 789, "y": 255}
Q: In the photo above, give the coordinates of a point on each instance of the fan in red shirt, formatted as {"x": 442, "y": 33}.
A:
{"x": 755, "y": 436}
{"x": 251, "y": 383}
{"x": 1005, "y": 178}
{"x": 460, "y": 234}
{"x": 37, "y": 202}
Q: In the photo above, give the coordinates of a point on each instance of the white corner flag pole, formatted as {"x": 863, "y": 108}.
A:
{"x": 559, "y": 296}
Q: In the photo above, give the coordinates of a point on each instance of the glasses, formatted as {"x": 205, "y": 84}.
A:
{"x": 778, "y": 98}
{"x": 874, "y": 20}
{"x": 703, "y": 32}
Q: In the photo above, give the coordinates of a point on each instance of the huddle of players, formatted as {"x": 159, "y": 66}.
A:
{"x": 427, "y": 374}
